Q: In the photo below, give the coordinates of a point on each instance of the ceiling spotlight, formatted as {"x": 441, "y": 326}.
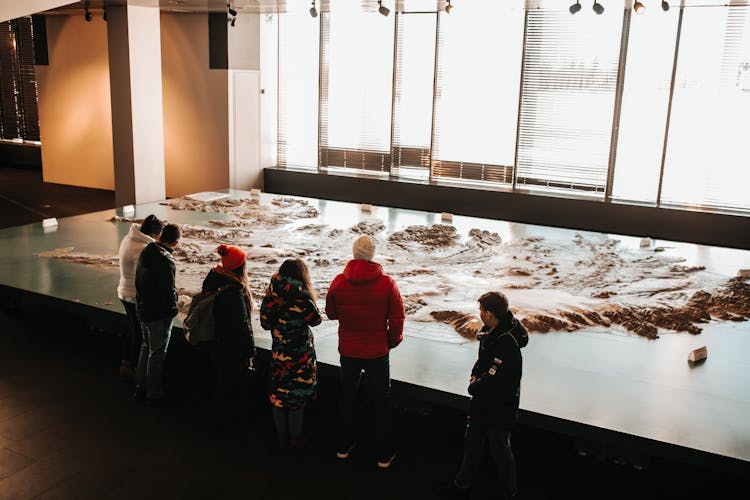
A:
{"x": 87, "y": 15}
{"x": 638, "y": 7}
{"x": 575, "y": 7}
{"x": 313, "y": 10}
{"x": 664, "y": 5}
{"x": 104, "y": 15}
{"x": 231, "y": 11}
{"x": 382, "y": 9}
{"x": 448, "y": 7}
{"x": 598, "y": 8}
{"x": 234, "y": 20}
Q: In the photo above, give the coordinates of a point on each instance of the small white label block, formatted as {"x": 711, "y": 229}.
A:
{"x": 128, "y": 210}
{"x": 255, "y": 192}
{"x": 365, "y": 207}
{"x": 445, "y": 216}
{"x": 698, "y": 354}
{"x": 743, "y": 273}
{"x": 49, "y": 222}
{"x": 646, "y": 242}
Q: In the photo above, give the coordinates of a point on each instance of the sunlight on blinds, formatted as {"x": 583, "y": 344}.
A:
{"x": 358, "y": 66}
{"x": 298, "y": 89}
{"x": 645, "y": 101}
{"x": 569, "y": 83}
{"x": 478, "y": 83}
{"x": 707, "y": 164}
{"x": 412, "y": 109}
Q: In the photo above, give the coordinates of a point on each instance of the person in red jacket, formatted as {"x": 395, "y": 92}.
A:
{"x": 368, "y": 305}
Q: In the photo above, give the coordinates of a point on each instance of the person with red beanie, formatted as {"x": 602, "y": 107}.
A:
{"x": 234, "y": 347}
{"x": 370, "y": 311}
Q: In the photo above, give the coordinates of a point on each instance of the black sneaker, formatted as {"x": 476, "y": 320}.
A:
{"x": 343, "y": 451}
{"x": 449, "y": 489}
{"x": 385, "y": 462}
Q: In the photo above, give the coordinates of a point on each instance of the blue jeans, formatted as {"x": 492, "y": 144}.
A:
{"x": 479, "y": 435}
{"x": 151, "y": 360}
{"x": 378, "y": 377}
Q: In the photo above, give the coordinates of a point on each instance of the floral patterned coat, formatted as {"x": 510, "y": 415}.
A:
{"x": 289, "y": 312}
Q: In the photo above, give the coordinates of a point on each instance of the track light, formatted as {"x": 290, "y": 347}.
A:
{"x": 598, "y": 8}
{"x": 664, "y": 5}
{"x": 382, "y": 9}
{"x": 234, "y": 20}
{"x": 104, "y": 15}
{"x": 575, "y": 7}
{"x": 87, "y": 15}
{"x": 313, "y": 10}
{"x": 448, "y": 7}
{"x": 638, "y": 7}
{"x": 231, "y": 11}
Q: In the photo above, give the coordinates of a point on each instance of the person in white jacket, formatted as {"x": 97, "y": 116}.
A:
{"x": 130, "y": 249}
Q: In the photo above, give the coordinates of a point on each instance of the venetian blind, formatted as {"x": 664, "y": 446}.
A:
{"x": 645, "y": 99}
{"x": 567, "y": 106}
{"x": 356, "y": 88}
{"x": 298, "y": 89}
{"x": 412, "y": 94}
{"x": 479, "y": 66}
{"x": 18, "y": 88}
{"x": 707, "y": 163}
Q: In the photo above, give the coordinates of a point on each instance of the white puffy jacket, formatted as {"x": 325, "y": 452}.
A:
{"x": 130, "y": 250}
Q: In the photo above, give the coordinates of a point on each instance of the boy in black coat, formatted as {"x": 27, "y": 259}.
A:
{"x": 495, "y": 386}
{"x": 156, "y": 303}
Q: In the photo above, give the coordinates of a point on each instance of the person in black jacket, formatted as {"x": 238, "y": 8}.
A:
{"x": 495, "y": 388}
{"x": 156, "y": 302}
{"x": 234, "y": 348}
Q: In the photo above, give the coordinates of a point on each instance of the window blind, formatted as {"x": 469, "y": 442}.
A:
{"x": 19, "y": 116}
{"x": 645, "y": 99}
{"x": 707, "y": 165}
{"x": 356, "y": 88}
{"x": 413, "y": 94}
{"x": 479, "y": 66}
{"x": 569, "y": 84}
{"x": 298, "y": 74}
{"x": 8, "y": 81}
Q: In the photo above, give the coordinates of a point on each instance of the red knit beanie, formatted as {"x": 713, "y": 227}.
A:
{"x": 231, "y": 257}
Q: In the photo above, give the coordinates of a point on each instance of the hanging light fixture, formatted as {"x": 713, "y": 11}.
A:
{"x": 598, "y": 8}
{"x": 232, "y": 13}
{"x": 575, "y": 7}
{"x": 448, "y": 7}
{"x": 87, "y": 15}
{"x": 383, "y": 9}
{"x": 664, "y": 5}
{"x": 639, "y": 8}
{"x": 313, "y": 10}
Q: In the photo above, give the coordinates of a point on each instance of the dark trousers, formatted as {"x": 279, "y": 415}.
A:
{"x": 478, "y": 436}
{"x": 230, "y": 361}
{"x": 378, "y": 377}
{"x": 133, "y": 338}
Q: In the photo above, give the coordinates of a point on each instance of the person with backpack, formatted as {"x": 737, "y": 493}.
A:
{"x": 234, "y": 347}
{"x": 288, "y": 310}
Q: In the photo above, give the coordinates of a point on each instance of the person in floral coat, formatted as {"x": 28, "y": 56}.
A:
{"x": 288, "y": 310}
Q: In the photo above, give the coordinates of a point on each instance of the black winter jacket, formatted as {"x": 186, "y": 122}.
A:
{"x": 156, "y": 295}
{"x": 495, "y": 384}
{"x": 231, "y": 312}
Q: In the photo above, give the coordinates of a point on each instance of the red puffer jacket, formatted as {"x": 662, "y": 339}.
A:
{"x": 368, "y": 305}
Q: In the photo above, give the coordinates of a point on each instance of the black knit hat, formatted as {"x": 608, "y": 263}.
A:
{"x": 151, "y": 225}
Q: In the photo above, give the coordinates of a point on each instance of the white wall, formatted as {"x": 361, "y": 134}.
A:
{"x": 75, "y": 118}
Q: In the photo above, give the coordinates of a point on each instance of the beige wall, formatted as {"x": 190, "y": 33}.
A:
{"x": 75, "y": 117}
{"x": 196, "y": 117}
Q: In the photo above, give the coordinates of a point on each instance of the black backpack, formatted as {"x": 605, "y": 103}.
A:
{"x": 198, "y": 325}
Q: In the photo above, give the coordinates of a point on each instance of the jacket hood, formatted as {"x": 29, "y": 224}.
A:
{"x": 362, "y": 271}
{"x": 508, "y": 324}
{"x": 139, "y": 237}
{"x": 216, "y": 279}
{"x": 287, "y": 288}
{"x": 153, "y": 253}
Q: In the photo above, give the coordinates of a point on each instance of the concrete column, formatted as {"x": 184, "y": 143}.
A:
{"x": 134, "y": 45}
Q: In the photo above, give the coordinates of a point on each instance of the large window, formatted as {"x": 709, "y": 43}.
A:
{"x": 523, "y": 95}
{"x": 19, "y": 119}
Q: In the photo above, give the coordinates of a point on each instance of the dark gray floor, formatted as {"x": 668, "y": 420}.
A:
{"x": 69, "y": 429}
